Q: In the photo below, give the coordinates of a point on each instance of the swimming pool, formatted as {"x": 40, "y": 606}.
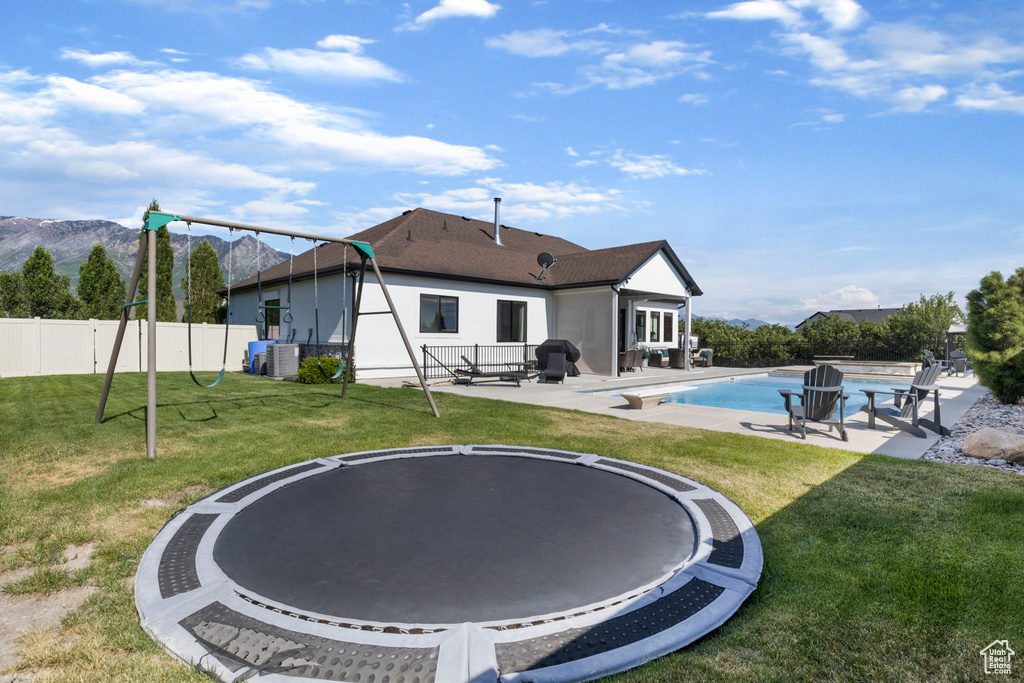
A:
{"x": 760, "y": 393}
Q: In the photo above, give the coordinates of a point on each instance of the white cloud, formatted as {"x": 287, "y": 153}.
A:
{"x": 571, "y": 152}
{"x": 648, "y": 165}
{"x": 308, "y": 131}
{"x": 102, "y": 60}
{"x": 338, "y": 41}
{"x": 72, "y": 93}
{"x": 541, "y": 42}
{"x": 851, "y": 296}
{"x": 914, "y": 99}
{"x": 991, "y": 97}
{"x": 758, "y": 10}
{"x": 842, "y": 14}
{"x": 452, "y": 8}
{"x": 343, "y": 66}
{"x": 907, "y": 66}
{"x": 694, "y": 99}
{"x": 521, "y": 202}
{"x": 626, "y": 62}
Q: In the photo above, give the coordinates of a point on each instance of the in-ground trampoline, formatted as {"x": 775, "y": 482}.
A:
{"x": 446, "y": 564}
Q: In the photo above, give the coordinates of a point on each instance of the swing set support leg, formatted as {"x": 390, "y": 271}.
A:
{"x": 355, "y": 322}
{"x": 125, "y": 312}
{"x": 405, "y": 339}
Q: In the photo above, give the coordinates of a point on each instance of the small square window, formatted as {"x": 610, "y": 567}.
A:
{"x": 439, "y": 313}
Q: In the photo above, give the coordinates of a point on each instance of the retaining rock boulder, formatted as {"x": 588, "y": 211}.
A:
{"x": 996, "y": 443}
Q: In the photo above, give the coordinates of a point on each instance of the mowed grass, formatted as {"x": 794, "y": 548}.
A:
{"x": 876, "y": 569}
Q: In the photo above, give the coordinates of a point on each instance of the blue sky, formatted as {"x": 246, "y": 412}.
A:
{"x": 797, "y": 154}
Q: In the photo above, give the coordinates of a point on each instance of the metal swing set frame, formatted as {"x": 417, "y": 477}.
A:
{"x": 148, "y": 248}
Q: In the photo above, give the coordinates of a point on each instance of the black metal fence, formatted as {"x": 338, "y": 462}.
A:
{"x": 762, "y": 354}
{"x": 441, "y": 361}
{"x": 325, "y": 350}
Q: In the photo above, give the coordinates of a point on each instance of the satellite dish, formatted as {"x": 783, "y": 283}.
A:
{"x": 545, "y": 260}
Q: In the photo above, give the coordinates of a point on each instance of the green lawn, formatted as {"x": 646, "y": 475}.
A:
{"x": 875, "y": 568}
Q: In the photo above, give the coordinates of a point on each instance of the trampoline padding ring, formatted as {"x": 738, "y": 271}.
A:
{"x": 447, "y": 564}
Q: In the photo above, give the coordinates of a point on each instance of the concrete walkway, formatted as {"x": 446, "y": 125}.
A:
{"x": 957, "y": 395}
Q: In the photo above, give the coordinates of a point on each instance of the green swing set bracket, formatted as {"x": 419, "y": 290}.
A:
{"x": 136, "y": 303}
{"x": 158, "y": 220}
{"x": 363, "y": 248}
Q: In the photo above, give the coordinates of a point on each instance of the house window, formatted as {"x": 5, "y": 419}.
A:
{"x": 655, "y": 327}
{"x": 511, "y": 321}
{"x": 670, "y": 328}
{"x": 641, "y": 327}
{"x": 272, "y": 324}
{"x": 439, "y": 313}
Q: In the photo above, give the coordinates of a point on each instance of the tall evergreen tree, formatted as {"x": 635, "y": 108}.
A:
{"x": 47, "y": 292}
{"x": 100, "y": 287}
{"x": 207, "y": 279}
{"x": 995, "y": 334}
{"x": 13, "y": 303}
{"x": 166, "y": 307}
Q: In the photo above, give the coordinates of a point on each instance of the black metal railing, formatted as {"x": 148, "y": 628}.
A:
{"x": 762, "y": 354}
{"x": 441, "y": 361}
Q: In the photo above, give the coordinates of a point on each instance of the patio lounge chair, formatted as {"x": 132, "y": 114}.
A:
{"x": 822, "y": 394}
{"x": 677, "y": 358}
{"x": 555, "y": 371}
{"x": 477, "y": 376}
{"x": 629, "y": 360}
{"x": 703, "y": 357}
{"x": 930, "y": 360}
{"x": 958, "y": 363}
{"x": 907, "y": 403}
{"x": 657, "y": 359}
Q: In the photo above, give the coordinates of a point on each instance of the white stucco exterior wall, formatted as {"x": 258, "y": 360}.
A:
{"x": 379, "y": 349}
{"x": 657, "y": 276}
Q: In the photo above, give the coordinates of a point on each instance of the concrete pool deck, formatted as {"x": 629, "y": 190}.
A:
{"x": 958, "y": 394}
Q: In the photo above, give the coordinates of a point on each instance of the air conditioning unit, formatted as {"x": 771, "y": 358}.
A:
{"x": 259, "y": 363}
{"x": 282, "y": 360}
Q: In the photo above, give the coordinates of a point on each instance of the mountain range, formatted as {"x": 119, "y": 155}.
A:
{"x": 71, "y": 241}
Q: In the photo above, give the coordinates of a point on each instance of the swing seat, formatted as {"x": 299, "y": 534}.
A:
{"x": 195, "y": 379}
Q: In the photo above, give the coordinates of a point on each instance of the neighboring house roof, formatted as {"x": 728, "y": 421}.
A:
{"x": 858, "y": 315}
{"x": 434, "y": 244}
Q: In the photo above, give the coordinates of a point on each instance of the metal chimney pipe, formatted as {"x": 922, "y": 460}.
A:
{"x": 497, "y": 221}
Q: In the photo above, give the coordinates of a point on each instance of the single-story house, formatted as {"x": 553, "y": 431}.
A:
{"x": 455, "y": 282}
{"x": 857, "y": 315}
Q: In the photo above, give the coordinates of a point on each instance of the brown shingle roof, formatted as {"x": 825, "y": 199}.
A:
{"x": 453, "y": 247}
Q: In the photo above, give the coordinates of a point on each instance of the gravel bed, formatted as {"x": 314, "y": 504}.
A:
{"x": 986, "y": 412}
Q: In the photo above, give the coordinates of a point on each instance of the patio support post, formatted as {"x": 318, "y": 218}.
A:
{"x": 615, "y": 332}
{"x": 688, "y": 354}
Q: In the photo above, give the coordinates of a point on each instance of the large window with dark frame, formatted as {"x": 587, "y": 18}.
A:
{"x": 670, "y": 329}
{"x": 641, "y": 327}
{"x": 511, "y": 321}
{"x": 655, "y": 326}
{"x": 439, "y": 313}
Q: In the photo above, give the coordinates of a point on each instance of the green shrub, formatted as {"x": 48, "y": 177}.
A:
{"x": 309, "y": 372}
{"x": 995, "y": 334}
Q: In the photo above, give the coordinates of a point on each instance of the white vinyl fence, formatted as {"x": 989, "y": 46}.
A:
{"x": 33, "y": 346}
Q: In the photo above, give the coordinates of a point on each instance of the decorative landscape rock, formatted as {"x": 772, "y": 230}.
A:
{"x": 985, "y": 413}
{"x": 996, "y": 443}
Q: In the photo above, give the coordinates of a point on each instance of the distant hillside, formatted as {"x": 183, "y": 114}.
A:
{"x": 71, "y": 241}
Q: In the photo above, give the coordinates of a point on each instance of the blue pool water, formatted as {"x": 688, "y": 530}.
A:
{"x": 761, "y": 393}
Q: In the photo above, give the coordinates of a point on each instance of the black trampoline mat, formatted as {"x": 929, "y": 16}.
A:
{"x": 452, "y": 539}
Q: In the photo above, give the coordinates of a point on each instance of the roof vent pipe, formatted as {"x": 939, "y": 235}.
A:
{"x": 497, "y": 221}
